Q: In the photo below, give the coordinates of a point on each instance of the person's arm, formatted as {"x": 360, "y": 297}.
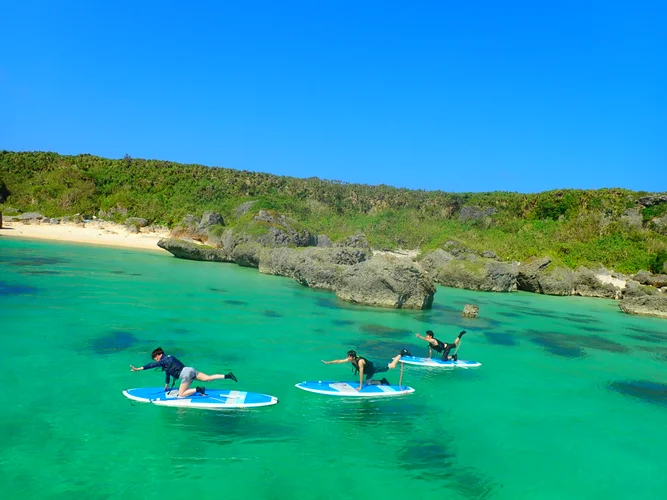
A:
{"x": 154, "y": 364}
{"x": 420, "y": 337}
{"x": 335, "y": 361}
{"x": 166, "y": 382}
{"x": 362, "y": 364}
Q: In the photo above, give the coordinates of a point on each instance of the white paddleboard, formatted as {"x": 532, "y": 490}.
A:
{"x": 439, "y": 363}
{"x": 349, "y": 389}
{"x": 214, "y": 399}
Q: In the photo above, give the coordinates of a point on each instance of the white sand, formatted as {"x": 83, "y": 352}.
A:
{"x": 92, "y": 233}
{"x": 606, "y": 278}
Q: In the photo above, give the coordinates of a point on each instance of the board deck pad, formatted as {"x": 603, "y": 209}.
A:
{"x": 349, "y": 389}
{"x": 439, "y": 363}
{"x": 214, "y": 399}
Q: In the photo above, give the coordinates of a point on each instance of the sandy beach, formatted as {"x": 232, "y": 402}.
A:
{"x": 91, "y": 233}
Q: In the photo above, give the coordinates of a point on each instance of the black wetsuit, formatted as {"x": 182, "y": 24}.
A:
{"x": 370, "y": 368}
{"x": 443, "y": 347}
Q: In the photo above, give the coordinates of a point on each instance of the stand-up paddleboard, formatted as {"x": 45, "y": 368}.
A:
{"x": 349, "y": 389}
{"x": 439, "y": 363}
{"x": 213, "y": 399}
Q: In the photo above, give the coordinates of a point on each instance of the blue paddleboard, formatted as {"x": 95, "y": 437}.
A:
{"x": 439, "y": 363}
{"x": 349, "y": 389}
{"x": 214, "y": 399}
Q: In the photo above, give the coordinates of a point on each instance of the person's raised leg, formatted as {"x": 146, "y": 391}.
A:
{"x": 394, "y": 362}
{"x": 207, "y": 378}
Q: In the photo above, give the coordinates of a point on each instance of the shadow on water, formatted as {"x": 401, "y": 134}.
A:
{"x": 233, "y": 426}
{"x": 233, "y": 302}
{"x": 432, "y": 460}
{"x": 112, "y": 342}
{"x": 271, "y": 314}
{"x": 342, "y": 322}
{"x": 7, "y": 289}
{"x": 508, "y": 314}
{"x": 385, "y": 331}
{"x": 217, "y": 290}
{"x": 556, "y": 344}
{"x": 644, "y": 390}
{"x": 651, "y": 333}
{"x": 501, "y": 338}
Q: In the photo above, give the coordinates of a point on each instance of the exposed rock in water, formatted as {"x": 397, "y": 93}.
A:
{"x": 482, "y": 274}
{"x": 647, "y": 305}
{"x": 247, "y": 254}
{"x": 470, "y": 311}
{"x": 187, "y": 250}
{"x": 387, "y": 282}
{"x": 527, "y": 274}
{"x": 313, "y": 267}
{"x": 587, "y": 284}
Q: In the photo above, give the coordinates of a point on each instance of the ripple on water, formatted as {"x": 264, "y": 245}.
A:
{"x": 644, "y": 390}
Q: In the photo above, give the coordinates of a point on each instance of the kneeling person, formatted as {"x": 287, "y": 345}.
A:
{"x": 175, "y": 369}
{"x": 364, "y": 366}
{"x": 440, "y": 346}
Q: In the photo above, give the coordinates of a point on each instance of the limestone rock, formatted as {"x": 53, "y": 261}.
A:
{"x": 527, "y": 277}
{"x": 324, "y": 241}
{"x": 470, "y": 311}
{"x": 246, "y": 254}
{"x": 387, "y": 282}
{"x": 187, "y": 250}
{"x": 557, "y": 281}
{"x": 136, "y": 221}
{"x": 587, "y": 284}
{"x": 355, "y": 241}
{"x": 647, "y": 305}
{"x": 483, "y": 274}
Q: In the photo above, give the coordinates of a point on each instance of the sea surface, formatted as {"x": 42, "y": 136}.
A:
{"x": 570, "y": 400}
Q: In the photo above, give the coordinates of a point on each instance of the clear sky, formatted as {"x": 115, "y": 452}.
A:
{"x": 457, "y": 96}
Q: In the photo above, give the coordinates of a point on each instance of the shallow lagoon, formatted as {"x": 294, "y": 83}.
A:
{"x": 570, "y": 401}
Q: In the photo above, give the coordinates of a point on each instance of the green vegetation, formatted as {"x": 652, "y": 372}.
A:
{"x": 573, "y": 227}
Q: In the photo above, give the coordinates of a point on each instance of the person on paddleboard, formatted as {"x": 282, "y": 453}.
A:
{"x": 175, "y": 369}
{"x": 440, "y": 346}
{"x": 363, "y": 366}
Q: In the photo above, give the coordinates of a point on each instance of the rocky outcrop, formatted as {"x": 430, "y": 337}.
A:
{"x": 324, "y": 241}
{"x": 527, "y": 277}
{"x": 282, "y": 231}
{"x": 470, "y": 311}
{"x": 244, "y": 208}
{"x": 632, "y": 218}
{"x": 647, "y": 278}
{"x": 191, "y": 251}
{"x": 246, "y": 254}
{"x": 647, "y": 305}
{"x": 635, "y": 289}
{"x": 587, "y": 284}
{"x": 387, "y": 282}
{"x": 651, "y": 200}
{"x": 29, "y": 216}
{"x": 200, "y": 228}
{"x": 313, "y": 267}
{"x": 433, "y": 261}
{"x": 556, "y": 281}
{"x": 482, "y": 274}
{"x": 355, "y": 241}
{"x": 136, "y": 221}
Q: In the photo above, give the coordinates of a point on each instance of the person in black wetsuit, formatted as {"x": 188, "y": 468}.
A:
{"x": 369, "y": 368}
{"x": 175, "y": 369}
{"x": 440, "y": 346}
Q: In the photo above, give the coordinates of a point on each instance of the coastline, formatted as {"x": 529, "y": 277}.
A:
{"x": 101, "y": 233}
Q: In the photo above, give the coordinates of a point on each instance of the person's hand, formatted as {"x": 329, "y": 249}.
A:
{"x": 325, "y": 362}
{"x": 416, "y": 335}
{"x": 359, "y": 388}
{"x": 133, "y": 368}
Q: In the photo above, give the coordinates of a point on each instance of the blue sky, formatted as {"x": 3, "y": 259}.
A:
{"x": 456, "y": 96}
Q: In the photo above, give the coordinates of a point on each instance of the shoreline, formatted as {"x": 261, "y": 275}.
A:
{"x": 99, "y": 233}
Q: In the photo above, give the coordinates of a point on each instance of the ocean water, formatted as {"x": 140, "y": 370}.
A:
{"x": 570, "y": 400}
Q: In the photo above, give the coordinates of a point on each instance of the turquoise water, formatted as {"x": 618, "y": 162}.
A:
{"x": 563, "y": 405}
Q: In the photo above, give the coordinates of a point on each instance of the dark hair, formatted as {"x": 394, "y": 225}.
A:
{"x": 156, "y": 352}
{"x": 429, "y": 333}
{"x": 352, "y": 353}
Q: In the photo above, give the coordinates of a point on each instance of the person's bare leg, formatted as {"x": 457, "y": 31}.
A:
{"x": 184, "y": 390}
{"x": 394, "y": 362}
{"x": 207, "y": 378}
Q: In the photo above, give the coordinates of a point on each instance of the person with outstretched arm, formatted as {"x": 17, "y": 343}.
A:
{"x": 365, "y": 367}
{"x": 175, "y": 369}
{"x": 440, "y": 346}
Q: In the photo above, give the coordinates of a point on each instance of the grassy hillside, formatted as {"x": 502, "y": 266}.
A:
{"x": 572, "y": 226}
